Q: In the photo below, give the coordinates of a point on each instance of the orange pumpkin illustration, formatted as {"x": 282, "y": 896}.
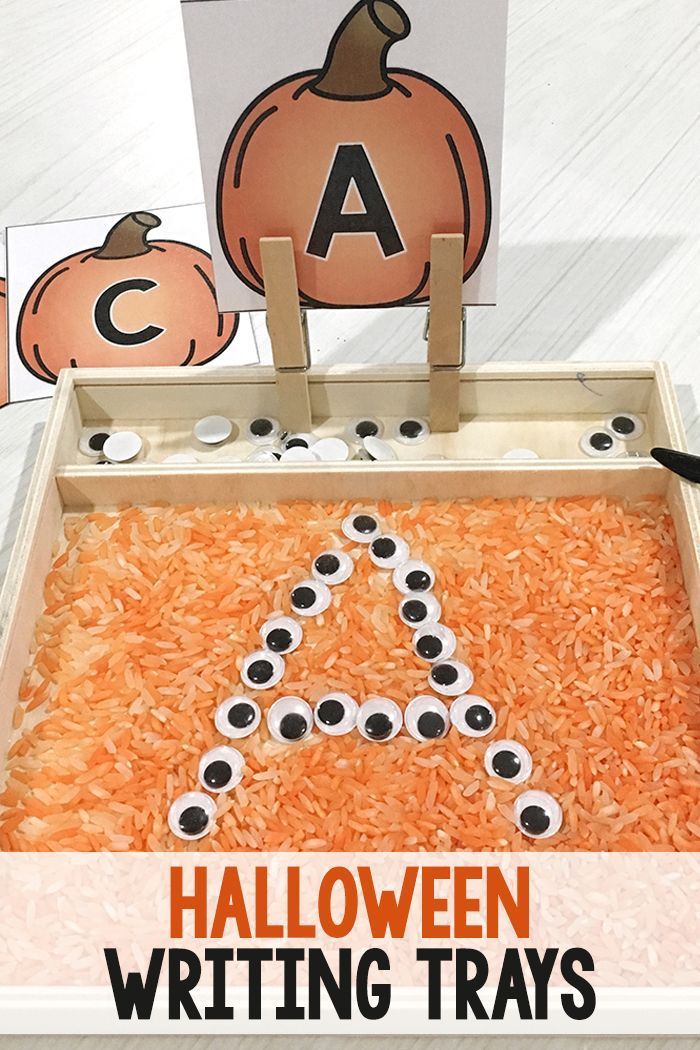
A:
{"x": 4, "y": 363}
{"x": 360, "y": 165}
{"x": 132, "y": 302}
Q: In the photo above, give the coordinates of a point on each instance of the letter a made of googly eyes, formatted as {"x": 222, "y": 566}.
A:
{"x": 290, "y": 719}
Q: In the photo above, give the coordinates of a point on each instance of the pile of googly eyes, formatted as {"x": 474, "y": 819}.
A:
{"x": 612, "y": 438}
{"x": 363, "y": 439}
{"x": 291, "y": 720}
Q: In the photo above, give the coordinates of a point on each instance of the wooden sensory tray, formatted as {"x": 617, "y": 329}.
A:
{"x": 500, "y": 406}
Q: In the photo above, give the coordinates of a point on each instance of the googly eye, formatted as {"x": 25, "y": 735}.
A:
{"x": 379, "y": 451}
{"x": 388, "y": 551}
{"x": 427, "y": 718}
{"x": 92, "y": 441}
{"x": 333, "y": 567}
{"x": 290, "y": 720}
{"x": 237, "y": 717}
{"x": 310, "y": 598}
{"x": 213, "y": 430}
{"x": 472, "y": 715}
{"x": 221, "y": 768}
{"x": 450, "y": 678}
{"x": 360, "y": 527}
{"x": 600, "y": 443}
{"x": 182, "y": 458}
{"x": 264, "y": 430}
{"x": 625, "y": 426}
{"x": 299, "y": 455}
{"x": 336, "y": 714}
{"x": 434, "y": 641}
{"x": 508, "y": 760}
{"x": 537, "y": 814}
{"x": 412, "y": 431}
{"x": 331, "y": 450}
{"x": 379, "y": 719}
{"x": 364, "y": 427}
{"x": 298, "y": 441}
{"x": 281, "y": 635}
{"x": 520, "y": 453}
{"x": 413, "y": 577}
{"x": 122, "y": 446}
{"x": 264, "y": 455}
{"x": 262, "y": 669}
{"x": 415, "y": 610}
{"x": 191, "y": 816}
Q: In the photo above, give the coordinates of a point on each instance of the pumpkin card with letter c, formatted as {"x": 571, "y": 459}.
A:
{"x": 358, "y": 130}
{"x": 128, "y": 290}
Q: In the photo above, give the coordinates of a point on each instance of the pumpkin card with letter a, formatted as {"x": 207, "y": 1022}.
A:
{"x": 129, "y": 290}
{"x": 357, "y": 130}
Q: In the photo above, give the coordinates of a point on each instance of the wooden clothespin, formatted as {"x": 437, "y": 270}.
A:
{"x": 445, "y": 330}
{"x": 290, "y": 351}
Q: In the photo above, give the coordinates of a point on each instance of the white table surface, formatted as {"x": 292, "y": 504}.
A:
{"x": 600, "y": 234}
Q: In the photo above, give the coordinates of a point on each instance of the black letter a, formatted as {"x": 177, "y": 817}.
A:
{"x": 352, "y": 165}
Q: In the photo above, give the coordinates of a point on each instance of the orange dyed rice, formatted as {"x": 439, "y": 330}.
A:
{"x": 571, "y": 612}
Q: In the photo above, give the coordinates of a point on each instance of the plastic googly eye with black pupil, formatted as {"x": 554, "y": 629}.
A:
{"x": 415, "y": 610}
{"x": 379, "y": 719}
{"x": 310, "y": 598}
{"x": 537, "y": 814}
{"x": 427, "y": 718}
{"x": 412, "y": 431}
{"x": 472, "y": 715}
{"x": 625, "y": 426}
{"x": 290, "y": 720}
{"x": 434, "y": 641}
{"x": 333, "y": 567}
{"x": 388, "y": 550}
{"x": 264, "y": 454}
{"x": 298, "y": 441}
{"x": 92, "y": 441}
{"x": 237, "y": 717}
{"x": 264, "y": 430}
{"x": 413, "y": 577}
{"x": 600, "y": 443}
{"x": 364, "y": 427}
{"x": 336, "y": 714}
{"x": 450, "y": 677}
{"x": 360, "y": 527}
{"x": 191, "y": 816}
{"x": 379, "y": 451}
{"x": 508, "y": 760}
{"x": 262, "y": 669}
{"x": 281, "y": 634}
{"x": 221, "y": 768}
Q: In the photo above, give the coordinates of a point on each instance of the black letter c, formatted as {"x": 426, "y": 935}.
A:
{"x": 103, "y": 314}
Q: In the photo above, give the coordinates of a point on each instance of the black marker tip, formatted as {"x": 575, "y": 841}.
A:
{"x": 681, "y": 463}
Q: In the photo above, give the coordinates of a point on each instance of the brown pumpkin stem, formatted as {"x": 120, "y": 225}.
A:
{"x": 355, "y": 66}
{"x": 127, "y": 237}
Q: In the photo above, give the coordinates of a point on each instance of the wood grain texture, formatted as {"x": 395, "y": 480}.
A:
{"x": 407, "y": 1042}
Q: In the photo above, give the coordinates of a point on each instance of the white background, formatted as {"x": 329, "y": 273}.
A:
{"x": 237, "y": 49}
{"x": 32, "y": 249}
{"x": 600, "y": 230}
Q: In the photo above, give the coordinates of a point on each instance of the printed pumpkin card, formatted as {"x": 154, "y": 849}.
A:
{"x": 129, "y": 290}
{"x": 360, "y": 131}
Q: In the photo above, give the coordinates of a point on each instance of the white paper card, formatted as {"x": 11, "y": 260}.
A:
{"x": 359, "y": 132}
{"x": 145, "y": 300}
